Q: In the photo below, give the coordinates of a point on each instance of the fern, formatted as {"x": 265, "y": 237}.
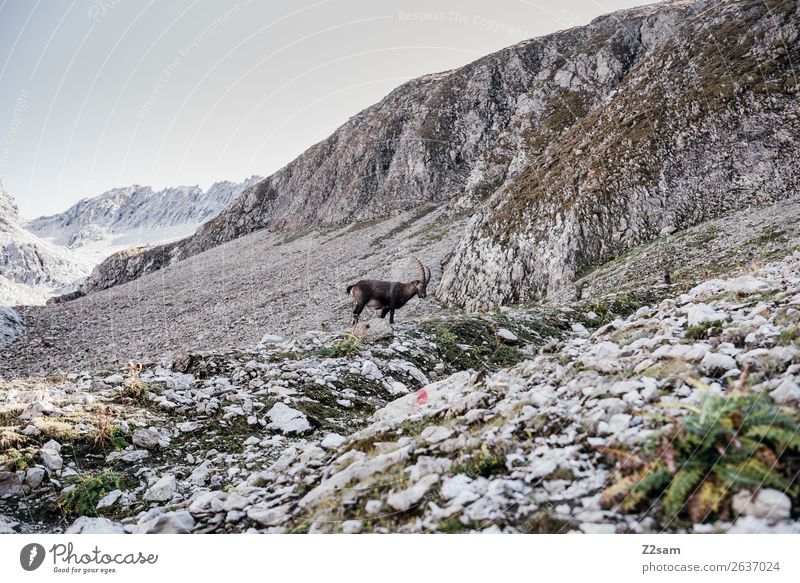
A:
{"x": 727, "y": 443}
{"x": 683, "y": 483}
{"x": 786, "y": 438}
{"x": 707, "y": 500}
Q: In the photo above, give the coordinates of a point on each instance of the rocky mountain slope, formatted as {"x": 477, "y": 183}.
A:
{"x": 140, "y": 210}
{"x": 534, "y": 420}
{"x": 704, "y": 120}
{"x": 250, "y": 284}
{"x": 586, "y": 142}
{"x": 32, "y": 269}
{"x": 283, "y": 282}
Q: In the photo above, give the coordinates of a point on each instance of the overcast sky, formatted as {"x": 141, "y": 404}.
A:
{"x": 104, "y": 93}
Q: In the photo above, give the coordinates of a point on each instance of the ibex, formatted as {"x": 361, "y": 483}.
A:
{"x": 388, "y": 295}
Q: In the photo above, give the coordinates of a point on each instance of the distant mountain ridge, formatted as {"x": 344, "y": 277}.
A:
{"x": 52, "y": 255}
{"x": 137, "y": 208}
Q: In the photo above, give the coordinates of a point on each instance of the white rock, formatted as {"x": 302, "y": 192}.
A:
{"x": 11, "y": 484}
{"x": 754, "y": 525}
{"x": 109, "y": 499}
{"x": 332, "y": 441}
{"x": 371, "y": 371}
{"x": 768, "y": 504}
{"x": 51, "y": 458}
{"x": 351, "y": 526}
{"x": 177, "y": 522}
{"x": 269, "y": 339}
{"x": 405, "y": 499}
{"x": 163, "y": 490}
{"x": 692, "y": 352}
{"x": 96, "y": 525}
{"x": 114, "y": 379}
{"x": 746, "y": 285}
{"x": 199, "y": 475}
{"x": 34, "y": 477}
{"x": 595, "y": 528}
{"x": 715, "y": 363}
{"x": 700, "y": 313}
{"x": 373, "y": 330}
{"x": 435, "y": 433}
{"x": 580, "y": 330}
{"x": 52, "y": 444}
{"x": 131, "y": 457}
{"x": 373, "y": 507}
{"x": 8, "y": 525}
{"x": 287, "y": 420}
{"x": 39, "y": 409}
{"x": 507, "y": 336}
{"x": 459, "y": 486}
{"x": 786, "y": 392}
{"x": 619, "y": 422}
{"x": 268, "y": 516}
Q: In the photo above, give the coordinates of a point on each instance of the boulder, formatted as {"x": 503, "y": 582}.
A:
{"x": 405, "y": 499}
{"x": 506, "y": 336}
{"x": 51, "y": 457}
{"x": 373, "y": 330}
{"x": 333, "y": 441}
{"x": 109, "y": 499}
{"x": 716, "y": 364}
{"x": 34, "y": 477}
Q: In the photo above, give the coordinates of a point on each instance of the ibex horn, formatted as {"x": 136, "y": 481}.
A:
{"x": 421, "y": 269}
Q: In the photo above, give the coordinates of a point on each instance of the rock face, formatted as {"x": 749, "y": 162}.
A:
{"x": 655, "y": 133}
{"x": 11, "y": 325}
{"x": 586, "y": 142}
{"x": 31, "y": 269}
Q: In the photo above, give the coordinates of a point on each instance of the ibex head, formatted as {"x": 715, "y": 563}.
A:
{"x": 425, "y": 276}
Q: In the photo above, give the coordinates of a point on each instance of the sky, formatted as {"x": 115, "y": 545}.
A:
{"x": 96, "y": 94}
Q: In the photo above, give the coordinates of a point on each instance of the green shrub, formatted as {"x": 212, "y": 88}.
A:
{"x": 89, "y": 488}
{"x": 486, "y": 462}
{"x": 341, "y": 347}
{"x": 703, "y": 330}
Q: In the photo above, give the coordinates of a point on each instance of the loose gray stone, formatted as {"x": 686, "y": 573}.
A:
{"x": 163, "y": 490}
{"x": 145, "y": 438}
{"x": 405, "y": 499}
{"x": 95, "y": 525}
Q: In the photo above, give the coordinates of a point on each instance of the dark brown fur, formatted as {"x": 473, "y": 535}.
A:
{"x": 387, "y": 296}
